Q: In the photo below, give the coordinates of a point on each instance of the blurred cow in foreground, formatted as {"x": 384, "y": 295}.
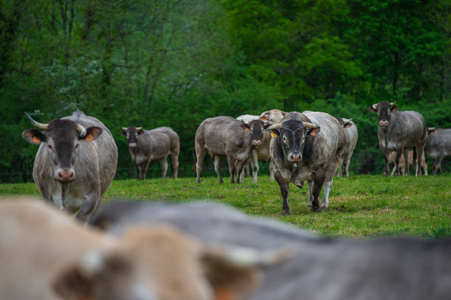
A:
{"x": 321, "y": 268}
{"x": 438, "y": 146}
{"x": 146, "y": 146}
{"x": 351, "y": 137}
{"x": 412, "y": 161}
{"x": 76, "y": 162}
{"x": 44, "y": 254}
{"x": 306, "y": 146}
{"x": 262, "y": 152}
{"x": 229, "y": 137}
{"x": 398, "y": 131}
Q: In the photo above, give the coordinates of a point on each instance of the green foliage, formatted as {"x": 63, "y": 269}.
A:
{"x": 176, "y": 62}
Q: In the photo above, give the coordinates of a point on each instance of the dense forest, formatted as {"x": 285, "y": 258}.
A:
{"x": 176, "y": 62}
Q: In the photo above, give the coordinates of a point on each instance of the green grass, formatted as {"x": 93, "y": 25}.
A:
{"x": 359, "y": 206}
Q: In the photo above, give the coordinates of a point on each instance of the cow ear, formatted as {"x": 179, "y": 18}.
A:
{"x": 371, "y": 108}
{"x": 245, "y": 126}
{"x": 229, "y": 281}
{"x": 314, "y": 131}
{"x": 263, "y": 118}
{"x": 92, "y": 133}
{"x": 123, "y": 133}
{"x": 431, "y": 130}
{"x": 275, "y": 132}
{"x": 34, "y": 136}
{"x": 347, "y": 125}
{"x": 394, "y": 108}
{"x": 284, "y": 113}
{"x": 141, "y": 132}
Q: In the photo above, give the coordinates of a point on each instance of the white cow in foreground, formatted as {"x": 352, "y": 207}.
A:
{"x": 45, "y": 254}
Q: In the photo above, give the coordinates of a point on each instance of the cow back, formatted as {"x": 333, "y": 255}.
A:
{"x": 439, "y": 143}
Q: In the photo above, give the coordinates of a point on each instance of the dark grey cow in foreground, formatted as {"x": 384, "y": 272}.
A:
{"x": 339, "y": 269}
{"x": 76, "y": 162}
{"x": 226, "y": 136}
{"x": 306, "y": 146}
{"x": 153, "y": 145}
{"x": 351, "y": 137}
{"x": 399, "y": 131}
{"x": 438, "y": 146}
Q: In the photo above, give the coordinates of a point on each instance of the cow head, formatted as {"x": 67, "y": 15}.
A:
{"x": 61, "y": 139}
{"x": 384, "y": 110}
{"x": 160, "y": 263}
{"x": 272, "y": 116}
{"x": 293, "y": 134}
{"x": 132, "y": 134}
{"x": 256, "y": 128}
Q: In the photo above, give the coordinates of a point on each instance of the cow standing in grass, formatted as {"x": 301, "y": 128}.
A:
{"x": 307, "y": 146}
{"x": 157, "y": 144}
{"x": 351, "y": 136}
{"x": 76, "y": 162}
{"x": 399, "y": 131}
{"x": 438, "y": 146}
{"x": 226, "y": 136}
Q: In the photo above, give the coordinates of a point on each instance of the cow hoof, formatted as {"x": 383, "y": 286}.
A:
{"x": 285, "y": 212}
{"x": 316, "y": 209}
{"x": 324, "y": 208}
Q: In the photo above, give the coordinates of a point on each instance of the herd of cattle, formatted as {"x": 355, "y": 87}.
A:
{"x": 205, "y": 250}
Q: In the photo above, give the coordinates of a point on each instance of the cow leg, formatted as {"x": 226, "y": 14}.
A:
{"x": 200, "y": 154}
{"x": 271, "y": 171}
{"x": 339, "y": 174}
{"x": 310, "y": 185}
{"x": 346, "y": 163}
{"x": 420, "y": 153}
{"x": 425, "y": 165}
{"x": 141, "y": 168}
{"x": 232, "y": 167}
{"x": 399, "y": 152}
{"x": 164, "y": 166}
{"x": 406, "y": 169}
{"x": 218, "y": 168}
{"x": 436, "y": 167}
{"x": 255, "y": 167}
{"x": 89, "y": 207}
{"x": 385, "y": 155}
{"x": 317, "y": 186}
{"x": 246, "y": 171}
{"x": 240, "y": 170}
{"x": 284, "y": 189}
{"x": 327, "y": 188}
{"x": 174, "y": 164}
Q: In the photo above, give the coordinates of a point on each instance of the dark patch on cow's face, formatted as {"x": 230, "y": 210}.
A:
{"x": 256, "y": 129}
{"x": 384, "y": 110}
{"x": 132, "y": 134}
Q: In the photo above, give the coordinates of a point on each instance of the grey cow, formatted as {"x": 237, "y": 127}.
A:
{"x": 76, "y": 162}
{"x": 398, "y": 131}
{"x": 322, "y": 268}
{"x": 226, "y": 136}
{"x": 307, "y": 146}
{"x": 351, "y": 136}
{"x": 153, "y": 145}
{"x": 438, "y": 146}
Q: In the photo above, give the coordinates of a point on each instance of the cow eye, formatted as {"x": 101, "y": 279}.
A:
{"x": 51, "y": 148}
{"x": 76, "y": 146}
{"x": 284, "y": 139}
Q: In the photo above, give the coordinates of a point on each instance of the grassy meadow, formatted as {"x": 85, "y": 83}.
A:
{"x": 359, "y": 206}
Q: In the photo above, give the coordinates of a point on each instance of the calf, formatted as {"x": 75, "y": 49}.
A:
{"x": 76, "y": 162}
{"x": 398, "y": 131}
{"x": 153, "y": 145}
{"x": 262, "y": 152}
{"x": 306, "y": 146}
{"x": 49, "y": 256}
{"x": 412, "y": 161}
{"x": 351, "y": 136}
{"x": 321, "y": 268}
{"x": 438, "y": 146}
{"x": 226, "y": 136}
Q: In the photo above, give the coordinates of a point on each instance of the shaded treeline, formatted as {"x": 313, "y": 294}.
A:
{"x": 176, "y": 62}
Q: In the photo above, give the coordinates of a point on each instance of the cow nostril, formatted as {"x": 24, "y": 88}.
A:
{"x": 65, "y": 176}
{"x": 257, "y": 143}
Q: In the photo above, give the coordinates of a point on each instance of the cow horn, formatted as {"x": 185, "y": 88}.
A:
{"x": 124, "y": 128}
{"x": 347, "y": 120}
{"x": 275, "y": 126}
{"x": 392, "y": 103}
{"x": 138, "y": 128}
{"x": 81, "y": 130}
{"x": 36, "y": 124}
{"x": 375, "y": 106}
{"x": 309, "y": 125}
{"x": 264, "y": 113}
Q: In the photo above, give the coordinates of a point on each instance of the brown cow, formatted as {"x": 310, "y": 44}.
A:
{"x": 47, "y": 255}
{"x": 402, "y": 162}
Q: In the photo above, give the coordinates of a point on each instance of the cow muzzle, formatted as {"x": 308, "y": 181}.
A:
{"x": 295, "y": 157}
{"x": 132, "y": 145}
{"x": 65, "y": 176}
{"x": 383, "y": 123}
{"x": 256, "y": 143}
